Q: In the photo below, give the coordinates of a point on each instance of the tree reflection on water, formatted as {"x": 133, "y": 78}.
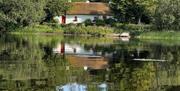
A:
{"x": 28, "y": 63}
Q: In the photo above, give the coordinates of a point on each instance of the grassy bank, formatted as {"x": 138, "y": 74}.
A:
{"x": 68, "y": 29}
{"x": 81, "y": 29}
{"x": 88, "y": 30}
{"x": 39, "y": 29}
{"x": 139, "y": 31}
{"x": 173, "y": 35}
{"x": 132, "y": 27}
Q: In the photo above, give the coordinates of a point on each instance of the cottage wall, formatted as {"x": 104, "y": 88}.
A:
{"x": 80, "y": 18}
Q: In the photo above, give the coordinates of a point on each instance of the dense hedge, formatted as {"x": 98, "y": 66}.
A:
{"x": 87, "y": 30}
{"x": 132, "y": 27}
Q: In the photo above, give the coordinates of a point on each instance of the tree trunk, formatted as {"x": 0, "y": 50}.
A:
{"x": 139, "y": 20}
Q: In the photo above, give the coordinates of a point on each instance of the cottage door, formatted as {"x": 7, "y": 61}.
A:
{"x": 62, "y": 48}
{"x": 63, "y": 19}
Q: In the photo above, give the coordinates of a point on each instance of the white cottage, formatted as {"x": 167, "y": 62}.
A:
{"x": 81, "y": 11}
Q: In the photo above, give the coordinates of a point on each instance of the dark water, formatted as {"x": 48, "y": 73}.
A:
{"x": 57, "y": 63}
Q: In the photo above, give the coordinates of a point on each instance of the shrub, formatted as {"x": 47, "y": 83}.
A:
{"x": 100, "y": 22}
{"x": 21, "y": 12}
{"x": 167, "y": 17}
{"x": 88, "y": 30}
{"x": 133, "y": 27}
{"x": 40, "y": 29}
{"x": 110, "y": 21}
{"x": 88, "y": 22}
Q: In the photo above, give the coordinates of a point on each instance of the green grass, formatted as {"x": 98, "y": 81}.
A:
{"x": 68, "y": 29}
{"x": 88, "y": 30}
{"x": 39, "y": 29}
{"x": 132, "y": 27}
{"x": 145, "y": 33}
{"x": 81, "y": 29}
{"x": 89, "y": 40}
{"x": 173, "y": 35}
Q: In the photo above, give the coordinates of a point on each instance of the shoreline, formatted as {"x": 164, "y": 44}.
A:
{"x": 116, "y": 35}
{"x": 99, "y": 31}
{"x": 148, "y": 35}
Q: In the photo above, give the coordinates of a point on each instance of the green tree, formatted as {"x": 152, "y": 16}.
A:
{"x": 56, "y": 8}
{"x": 167, "y": 15}
{"x": 133, "y": 11}
{"x": 21, "y": 12}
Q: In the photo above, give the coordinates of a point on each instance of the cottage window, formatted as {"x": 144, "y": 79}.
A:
{"x": 104, "y": 17}
{"x": 75, "y": 19}
{"x": 95, "y": 18}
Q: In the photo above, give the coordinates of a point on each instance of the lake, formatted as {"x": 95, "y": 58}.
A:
{"x": 43, "y": 62}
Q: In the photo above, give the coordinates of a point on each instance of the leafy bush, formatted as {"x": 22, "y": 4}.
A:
{"x": 40, "y": 29}
{"x": 110, "y": 21}
{"x": 133, "y": 27}
{"x": 21, "y": 13}
{"x": 88, "y": 22}
{"x": 160, "y": 35}
{"x": 88, "y": 30}
{"x": 100, "y": 22}
{"x": 167, "y": 17}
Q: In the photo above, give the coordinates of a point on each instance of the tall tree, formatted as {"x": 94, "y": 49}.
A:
{"x": 56, "y": 8}
{"x": 21, "y": 12}
{"x": 133, "y": 11}
{"x": 167, "y": 15}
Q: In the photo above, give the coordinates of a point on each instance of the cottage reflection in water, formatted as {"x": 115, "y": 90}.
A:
{"x": 79, "y": 57}
{"x": 27, "y": 63}
{"x": 91, "y": 62}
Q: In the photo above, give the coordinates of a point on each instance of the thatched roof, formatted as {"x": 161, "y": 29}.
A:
{"x": 93, "y": 8}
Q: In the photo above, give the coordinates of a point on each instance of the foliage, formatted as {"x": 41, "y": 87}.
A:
{"x": 88, "y": 22}
{"x": 21, "y": 12}
{"x": 133, "y": 27}
{"x": 133, "y": 11}
{"x": 89, "y": 30}
{"x": 56, "y": 8}
{"x": 53, "y": 28}
{"x": 100, "y": 22}
{"x": 110, "y": 21}
{"x": 168, "y": 17}
{"x": 67, "y": 29}
{"x": 165, "y": 35}
{"x": 29, "y": 62}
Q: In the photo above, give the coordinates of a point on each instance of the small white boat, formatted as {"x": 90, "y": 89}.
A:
{"x": 125, "y": 34}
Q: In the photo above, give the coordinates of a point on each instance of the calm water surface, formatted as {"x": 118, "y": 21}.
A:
{"x": 57, "y": 63}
